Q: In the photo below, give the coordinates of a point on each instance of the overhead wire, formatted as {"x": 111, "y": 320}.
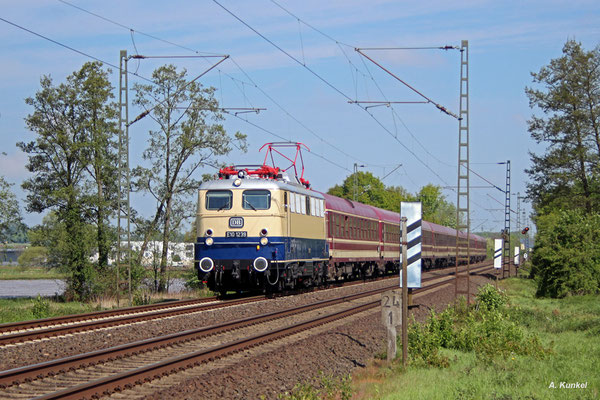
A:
{"x": 126, "y": 27}
{"x": 82, "y": 53}
{"x": 329, "y": 84}
{"x": 149, "y": 80}
{"x": 239, "y": 67}
{"x": 382, "y": 93}
{"x": 254, "y": 84}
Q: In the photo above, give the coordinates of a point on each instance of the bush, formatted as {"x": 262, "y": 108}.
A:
{"x": 41, "y": 308}
{"x": 490, "y": 298}
{"x": 327, "y": 388}
{"x": 192, "y": 281}
{"x": 566, "y": 256}
{"x": 488, "y": 330}
{"x": 33, "y": 256}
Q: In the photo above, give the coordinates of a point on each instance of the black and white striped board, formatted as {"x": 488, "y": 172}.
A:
{"x": 412, "y": 211}
{"x": 498, "y": 253}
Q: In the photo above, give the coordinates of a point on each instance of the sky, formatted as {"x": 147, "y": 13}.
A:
{"x": 297, "y": 62}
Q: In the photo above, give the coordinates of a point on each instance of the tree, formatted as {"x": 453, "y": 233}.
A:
{"x": 71, "y": 122}
{"x": 568, "y": 172}
{"x": 566, "y": 256}
{"x": 565, "y": 177}
{"x": 33, "y": 256}
{"x": 435, "y": 207}
{"x": 188, "y": 137}
{"x": 370, "y": 190}
{"x": 100, "y": 127}
{"x": 10, "y": 214}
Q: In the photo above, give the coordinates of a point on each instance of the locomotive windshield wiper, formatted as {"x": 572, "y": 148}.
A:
{"x": 223, "y": 206}
{"x": 251, "y": 206}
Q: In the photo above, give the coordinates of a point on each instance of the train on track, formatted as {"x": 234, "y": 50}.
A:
{"x": 259, "y": 228}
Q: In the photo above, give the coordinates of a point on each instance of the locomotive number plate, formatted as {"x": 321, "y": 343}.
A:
{"x": 236, "y": 234}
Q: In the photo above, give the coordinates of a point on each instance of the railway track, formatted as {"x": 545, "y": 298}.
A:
{"x": 104, "y": 371}
{"x": 40, "y": 329}
{"x": 25, "y": 331}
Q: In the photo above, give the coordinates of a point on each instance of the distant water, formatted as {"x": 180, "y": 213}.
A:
{"x": 31, "y": 287}
{"x": 50, "y": 287}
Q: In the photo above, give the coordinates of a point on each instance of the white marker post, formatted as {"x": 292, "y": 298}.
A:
{"x": 410, "y": 261}
{"x": 517, "y": 258}
{"x": 391, "y": 303}
{"x": 497, "y": 258}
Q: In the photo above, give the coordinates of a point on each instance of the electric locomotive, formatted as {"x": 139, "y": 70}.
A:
{"x": 259, "y": 229}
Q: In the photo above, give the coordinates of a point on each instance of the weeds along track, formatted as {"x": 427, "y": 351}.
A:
{"x": 135, "y": 366}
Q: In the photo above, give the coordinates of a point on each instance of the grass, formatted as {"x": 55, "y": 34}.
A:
{"x": 24, "y": 309}
{"x": 569, "y": 328}
{"x": 11, "y": 272}
{"x": 13, "y": 310}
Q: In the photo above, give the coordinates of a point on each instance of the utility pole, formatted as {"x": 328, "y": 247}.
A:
{"x": 506, "y": 257}
{"x": 124, "y": 209}
{"x": 518, "y": 211}
{"x": 463, "y": 218}
{"x": 355, "y": 181}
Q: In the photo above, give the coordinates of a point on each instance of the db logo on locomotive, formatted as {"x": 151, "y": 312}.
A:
{"x": 236, "y": 222}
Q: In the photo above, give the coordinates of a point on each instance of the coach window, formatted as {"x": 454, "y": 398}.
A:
{"x": 285, "y": 202}
{"x": 256, "y": 200}
{"x": 307, "y": 201}
{"x": 219, "y": 200}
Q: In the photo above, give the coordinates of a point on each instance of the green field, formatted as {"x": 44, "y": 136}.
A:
{"x": 16, "y": 272}
{"x": 13, "y": 310}
{"x": 568, "y": 329}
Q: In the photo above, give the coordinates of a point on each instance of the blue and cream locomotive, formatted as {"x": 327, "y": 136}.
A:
{"x": 258, "y": 229}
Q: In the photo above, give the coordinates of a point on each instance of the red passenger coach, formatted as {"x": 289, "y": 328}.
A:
{"x": 365, "y": 240}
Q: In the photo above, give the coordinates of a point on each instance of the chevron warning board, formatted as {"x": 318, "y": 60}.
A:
{"x": 498, "y": 253}
{"x": 412, "y": 211}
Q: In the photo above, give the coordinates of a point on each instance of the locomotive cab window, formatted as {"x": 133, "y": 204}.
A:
{"x": 256, "y": 200}
{"x": 219, "y": 200}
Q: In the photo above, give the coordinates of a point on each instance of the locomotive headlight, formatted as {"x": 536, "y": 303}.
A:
{"x": 263, "y": 232}
{"x": 206, "y": 264}
{"x": 260, "y": 264}
{"x": 209, "y": 241}
{"x": 209, "y": 232}
{"x": 264, "y": 241}
{"x": 237, "y": 182}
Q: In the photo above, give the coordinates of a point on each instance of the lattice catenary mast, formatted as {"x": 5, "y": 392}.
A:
{"x": 463, "y": 219}
{"x": 124, "y": 209}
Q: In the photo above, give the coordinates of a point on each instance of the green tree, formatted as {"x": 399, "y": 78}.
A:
{"x": 566, "y": 255}
{"x": 33, "y": 256}
{"x": 100, "y": 127}
{"x": 370, "y": 190}
{"x": 567, "y": 93}
{"x": 52, "y": 235}
{"x": 188, "y": 136}
{"x": 10, "y": 214}
{"x": 69, "y": 121}
{"x": 435, "y": 207}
